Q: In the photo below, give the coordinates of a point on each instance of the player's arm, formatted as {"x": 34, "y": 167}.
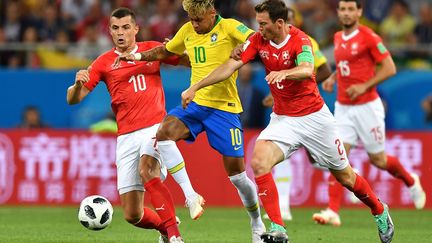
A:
{"x": 155, "y": 54}
{"x": 221, "y": 73}
{"x": 328, "y": 84}
{"x": 323, "y": 72}
{"x": 77, "y": 92}
{"x": 387, "y": 69}
{"x": 302, "y": 71}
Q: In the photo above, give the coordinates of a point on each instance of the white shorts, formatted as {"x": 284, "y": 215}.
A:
{"x": 130, "y": 148}
{"x": 316, "y": 132}
{"x": 364, "y": 122}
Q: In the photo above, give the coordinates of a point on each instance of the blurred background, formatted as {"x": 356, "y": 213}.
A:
{"x": 44, "y": 42}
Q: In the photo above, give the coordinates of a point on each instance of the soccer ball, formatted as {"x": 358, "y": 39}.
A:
{"x": 95, "y": 212}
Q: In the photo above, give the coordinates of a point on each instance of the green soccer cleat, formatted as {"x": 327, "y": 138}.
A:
{"x": 277, "y": 234}
{"x": 385, "y": 225}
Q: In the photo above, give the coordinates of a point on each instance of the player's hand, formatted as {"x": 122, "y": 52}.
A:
{"x": 275, "y": 77}
{"x": 187, "y": 97}
{"x": 356, "y": 90}
{"x": 166, "y": 40}
{"x": 236, "y": 52}
{"x": 268, "y": 101}
{"x": 124, "y": 57}
{"x": 328, "y": 84}
{"x": 81, "y": 77}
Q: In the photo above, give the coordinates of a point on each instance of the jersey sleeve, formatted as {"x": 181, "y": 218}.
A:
{"x": 95, "y": 73}
{"x": 172, "y": 60}
{"x": 303, "y": 50}
{"x": 319, "y": 58}
{"x": 250, "y": 48}
{"x": 377, "y": 48}
{"x": 237, "y": 30}
{"x": 176, "y": 44}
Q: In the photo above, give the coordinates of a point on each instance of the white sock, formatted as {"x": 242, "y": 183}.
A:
{"x": 248, "y": 195}
{"x": 173, "y": 160}
{"x": 282, "y": 175}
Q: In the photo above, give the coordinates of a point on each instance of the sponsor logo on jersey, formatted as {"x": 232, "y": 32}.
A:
{"x": 264, "y": 54}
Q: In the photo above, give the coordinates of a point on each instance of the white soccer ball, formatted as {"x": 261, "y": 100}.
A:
{"x": 95, "y": 212}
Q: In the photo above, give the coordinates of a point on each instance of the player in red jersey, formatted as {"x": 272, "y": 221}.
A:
{"x": 359, "y": 111}
{"x": 299, "y": 119}
{"x": 138, "y": 101}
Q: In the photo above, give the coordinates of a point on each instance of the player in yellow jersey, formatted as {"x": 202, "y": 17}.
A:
{"x": 208, "y": 40}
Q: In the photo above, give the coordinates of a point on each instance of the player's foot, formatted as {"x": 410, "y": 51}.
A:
{"x": 286, "y": 215}
{"x": 257, "y": 232}
{"x": 417, "y": 193}
{"x": 327, "y": 216}
{"x": 385, "y": 225}
{"x": 277, "y": 234}
{"x": 164, "y": 238}
{"x": 195, "y": 204}
{"x": 177, "y": 239}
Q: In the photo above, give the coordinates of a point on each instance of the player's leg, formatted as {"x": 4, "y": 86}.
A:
{"x": 130, "y": 185}
{"x": 323, "y": 141}
{"x": 371, "y": 129}
{"x": 160, "y": 197}
{"x": 178, "y": 125}
{"x": 267, "y": 154}
{"x": 282, "y": 175}
{"x": 348, "y": 134}
{"x": 225, "y": 134}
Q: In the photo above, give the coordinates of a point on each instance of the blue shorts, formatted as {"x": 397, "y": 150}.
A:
{"x": 224, "y": 130}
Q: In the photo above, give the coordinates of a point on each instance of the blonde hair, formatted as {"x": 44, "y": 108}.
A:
{"x": 197, "y": 7}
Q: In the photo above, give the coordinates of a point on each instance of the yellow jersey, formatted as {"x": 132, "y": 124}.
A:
{"x": 206, "y": 52}
{"x": 319, "y": 58}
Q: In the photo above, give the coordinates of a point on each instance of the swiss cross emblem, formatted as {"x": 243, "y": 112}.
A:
{"x": 285, "y": 55}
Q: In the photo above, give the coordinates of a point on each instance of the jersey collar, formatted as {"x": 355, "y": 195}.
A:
{"x": 218, "y": 19}
{"x": 282, "y": 44}
{"x": 347, "y": 37}
{"x": 132, "y": 52}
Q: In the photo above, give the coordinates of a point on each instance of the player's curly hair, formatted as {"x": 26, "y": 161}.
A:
{"x": 197, "y": 7}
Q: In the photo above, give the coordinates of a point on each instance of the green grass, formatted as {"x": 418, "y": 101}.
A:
{"x": 60, "y": 224}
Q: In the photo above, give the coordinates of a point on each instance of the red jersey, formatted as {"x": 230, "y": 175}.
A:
{"x": 291, "y": 97}
{"x": 137, "y": 97}
{"x": 356, "y": 56}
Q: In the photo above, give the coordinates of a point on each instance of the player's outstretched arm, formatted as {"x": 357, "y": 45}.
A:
{"x": 328, "y": 84}
{"x": 78, "y": 91}
{"x": 303, "y": 71}
{"x": 219, "y": 74}
{"x": 155, "y": 54}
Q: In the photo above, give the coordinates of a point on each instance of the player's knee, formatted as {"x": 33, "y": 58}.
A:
{"x": 259, "y": 166}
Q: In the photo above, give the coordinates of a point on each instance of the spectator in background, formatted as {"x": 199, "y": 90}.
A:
{"x": 163, "y": 23}
{"x": 427, "y": 108}
{"x": 423, "y": 30}
{"x": 31, "y": 118}
{"x": 253, "y": 115}
{"x": 13, "y": 24}
{"x": 91, "y": 45}
{"x": 398, "y": 26}
{"x": 51, "y": 24}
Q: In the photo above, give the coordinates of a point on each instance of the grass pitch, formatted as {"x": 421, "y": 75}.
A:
{"x": 60, "y": 224}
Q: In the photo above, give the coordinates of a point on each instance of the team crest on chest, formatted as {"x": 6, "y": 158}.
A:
{"x": 264, "y": 54}
{"x": 354, "y": 48}
{"x": 286, "y": 57}
{"x": 214, "y": 37}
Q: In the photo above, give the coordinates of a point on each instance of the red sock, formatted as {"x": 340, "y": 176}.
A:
{"x": 151, "y": 220}
{"x": 395, "y": 168}
{"x": 163, "y": 203}
{"x": 335, "y": 193}
{"x": 364, "y": 192}
{"x": 268, "y": 194}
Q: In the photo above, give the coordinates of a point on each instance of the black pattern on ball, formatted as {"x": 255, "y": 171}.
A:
{"x": 85, "y": 223}
{"x": 105, "y": 217}
{"x": 99, "y": 200}
{"x": 89, "y": 212}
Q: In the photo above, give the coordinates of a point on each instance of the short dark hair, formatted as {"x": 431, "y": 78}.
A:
{"x": 276, "y": 9}
{"x": 358, "y": 2}
{"x": 123, "y": 12}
